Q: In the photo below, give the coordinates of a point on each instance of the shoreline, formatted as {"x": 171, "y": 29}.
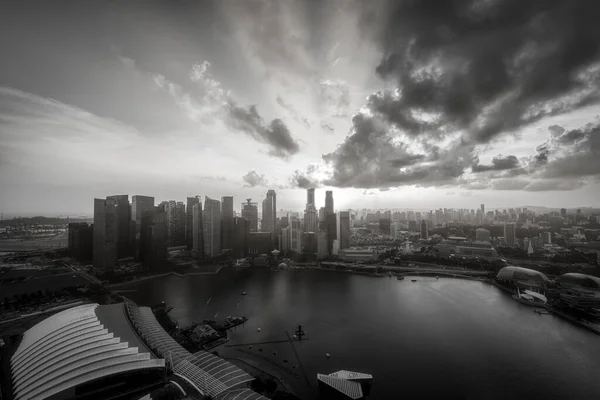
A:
{"x": 144, "y": 278}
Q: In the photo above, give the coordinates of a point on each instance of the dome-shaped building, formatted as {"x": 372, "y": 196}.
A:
{"x": 577, "y": 280}
{"x": 522, "y": 275}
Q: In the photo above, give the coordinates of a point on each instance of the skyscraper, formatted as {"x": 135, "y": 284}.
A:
{"x": 269, "y": 213}
{"x": 241, "y": 228}
{"x": 322, "y": 245}
{"x": 211, "y": 219}
{"x": 155, "y": 239}
{"x": 344, "y": 229}
{"x": 181, "y": 217}
{"x": 424, "y": 232}
{"x": 482, "y": 235}
{"x": 123, "y": 231}
{"x": 483, "y": 209}
{"x": 197, "y": 231}
{"x": 227, "y": 222}
{"x": 331, "y": 230}
{"x": 296, "y": 234}
{"x": 311, "y": 220}
{"x": 510, "y": 233}
{"x": 328, "y": 202}
{"x": 105, "y": 234}
{"x": 141, "y": 206}
{"x": 310, "y": 198}
{"x": 250, "y": 212}
{"x": 189, "y": 221}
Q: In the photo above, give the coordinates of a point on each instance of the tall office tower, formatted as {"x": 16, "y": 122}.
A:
{"x": 189, "y": 221}
{"x": 482, "y": 235}
{"x": 140, "y": 207}
{"x": 296, "y": 234}
{"x": 483, "y": 209}
{"x": 331, "y": 229}
{"x": 563, "y": 212}
{"x": 418, "y": 216}
{"x": 181, "y": 217}
{"x": 197, "y": 231}
{"x": 211, "y": 219}
{"x": 510, "y": 233}
{"x": 310, "y": 198}
{"x": 155, "y": 237}
{"x": 328, "y": 202}
{"x": 269, "y": 212}
{"x": 344, "y": 229}
{"x": 81, "y": 241}
{"x": 322, "y": 214}
{"x": 241, "y": 228}
{"x": 285, "y": 239}
{"x": 123, "y": 232}
{"x": 106, "y": 221}
{"x": 322, "y": 245}
{"x": 424, "y": 232}
{"x": 172, "y": 222}
{"x": 250, "y": 212}
{"x": 227, "y": 222}
{"x": 311, "y": 220}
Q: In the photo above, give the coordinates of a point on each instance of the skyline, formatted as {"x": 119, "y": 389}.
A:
{"x": 192, "y": 98}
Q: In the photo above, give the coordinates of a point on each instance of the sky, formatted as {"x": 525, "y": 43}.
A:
{"x": 389, "y": 103}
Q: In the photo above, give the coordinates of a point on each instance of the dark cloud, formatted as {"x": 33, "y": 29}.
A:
{"x": 303, "y": 181}
{"x": 276, "y": 134}
{"x": 327, "y": 127}
{"x": 252, "y": 179}
{"x": 498, "y": 164}
{"x": 556, "y": 130}
{"x": 372, "y": 157}
{"x": 487, "y": 67}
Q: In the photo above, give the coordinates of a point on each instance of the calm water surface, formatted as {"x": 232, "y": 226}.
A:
{"x": 441, "y": 338}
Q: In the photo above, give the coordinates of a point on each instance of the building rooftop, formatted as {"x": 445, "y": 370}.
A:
{"x": 76, "y": 346}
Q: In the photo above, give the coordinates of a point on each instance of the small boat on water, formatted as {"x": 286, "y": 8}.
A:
{"x": 541, "y": 311}
{"x": 400, "y": 278}
{"x": 244, "y": 293}
{"x": 413, "y": 280}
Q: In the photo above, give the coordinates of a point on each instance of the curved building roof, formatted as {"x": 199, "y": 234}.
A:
{"x": 521, "y": 274}
{"x": 209, "y": 374}
{"x": 74, "y": 347}
{"x": 579, "y": 280}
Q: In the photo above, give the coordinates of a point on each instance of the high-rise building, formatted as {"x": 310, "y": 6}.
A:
{"x": 322, "y": 245}
{"x": 546, "y": 237}
{"x": 310, "y": 198}
{"x": 227, "y": 222}
{"x": 296, "y": 234}
{"x": 269, "y": 212}
{"x": 181, "y": 217}
{"x": 189, "y": 221}
{"x": 155, "y": 239}
{"x": 328, "y": 202}
{"x": 331, "y": 229}
{"x": 482, "y": 235}
{"x": 250, "y": 212}
{"x": 259, "y": 243}
{"x": 211, "y": 219}
{"x": 140, "y": 206}
{"x": 510, "y": 233}
{"x": 483, "y": 209}
{"x": 563, "y": 212}
{"x": 309, "y": 243}
{"x": 197, "y": 231}
{"x": 81, "y": 241}
{"x": 285, "y": 239}
{"x": 311, "y": 220}
{"x": 424, "y": 231}
{"x": 241, "y": 229}
{"x": 123, "y": 230}
{"x": 175, "y": 222}
{"x": 344, "y": 229}
{"x": 105, "y": 234}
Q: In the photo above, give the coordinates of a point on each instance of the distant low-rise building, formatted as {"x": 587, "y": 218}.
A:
{"x": 358, "y": 255}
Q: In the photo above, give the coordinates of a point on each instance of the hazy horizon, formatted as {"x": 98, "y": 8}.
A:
{"x": 390, "y": 104}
